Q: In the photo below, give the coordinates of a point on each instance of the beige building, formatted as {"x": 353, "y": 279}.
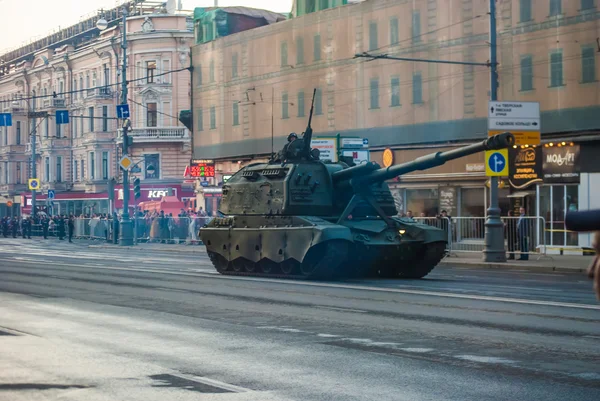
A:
{"x": 255, "y": 85}
{"x": 80, "y": 71}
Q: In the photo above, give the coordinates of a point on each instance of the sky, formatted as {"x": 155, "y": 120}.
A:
{"x": 24, "y": 20}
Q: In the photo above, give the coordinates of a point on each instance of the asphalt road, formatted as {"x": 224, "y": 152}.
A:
{"x": 113, "y": 324}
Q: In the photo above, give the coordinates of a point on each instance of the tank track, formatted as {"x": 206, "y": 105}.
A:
{"x": 429, "y": 257}
{"x": 326, "y": 268}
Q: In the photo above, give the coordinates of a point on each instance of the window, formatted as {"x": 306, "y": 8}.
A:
{"x": 200, "y": 120}
{"x": 317, "y": 47}
{"x": 87, "y": 81}
{"x": 318, "y": 102}
{"x": 284, "y": 54}
{"x": 18, "y": 138}
{"x": 92, "y": 165}
{"x": 166, "y": 67}
{"x": 555, "y": 7}
{"x": 417, "y": 88}
{"x": 151, "y": 115}
{"x": 47, "y": 169}
{"x": 527, "y": 73}
{"x": 105, "y": 165}
{"x": 213, "y": 117}
{"x": 74, "y": 89}
{"x": 104, "y": 118}
{"x": 199, "y": 76}
{"x": 416, "y": 26}
{"x": 234, "y": 65}
{"x": 310, "y": 6}
{"x": 91, "y": 117}
{"x": 372, "y": 35}
{"x": 323, "y": 4}
{"x": 58, "y": 168}
{"x": 395, "y": 89}
{"x": 75, "y": 175}
{"x": 284, "y": 106}
{"x": 587, "y": 4}
{"x": 374, "y": 93}
{"x": 150, "y": 69}
{"x": 5, "y": 136}
{"x": 106, "y": 71}
{"x": 236, "y": 113}
{"x": 81, "y": 124}
{"x": 556, "y": 69}
{"x": 82, "y": 169}
{"x": 6, "y": 177}
{"x": 525, "y": 10}
{"x": 47, "y": 127}
{"x": 81, "y": 83}
{"x": 58, "y": 130}
{"x": 19, "y": 174}
{"x": 299, "y": 51}
{"x": 301, "y": 104}
{"x": 212, "y": 71}
{"x": 394, "y": 35}
{"x": 75, "y": 126}
{"x": 588, "y": 65}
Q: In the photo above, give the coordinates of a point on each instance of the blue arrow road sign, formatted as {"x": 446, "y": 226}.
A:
{"x": 5, "y": 120}
{"x": 497, "y": 162}
{"x": 123, "y": 111}
{"x": 62, "y": 116}
{"x": 51, "y": 194}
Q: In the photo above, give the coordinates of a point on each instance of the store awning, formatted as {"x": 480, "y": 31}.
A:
{"x": 521, "y": 194}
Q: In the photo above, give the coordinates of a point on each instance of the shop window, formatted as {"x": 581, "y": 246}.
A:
{"x": 472, "y": 202}
{"x": 422, "y": 201}
{"x": 555, "y": 202}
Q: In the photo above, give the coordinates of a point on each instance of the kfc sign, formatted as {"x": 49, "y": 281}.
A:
{"x": 157, "y": 194}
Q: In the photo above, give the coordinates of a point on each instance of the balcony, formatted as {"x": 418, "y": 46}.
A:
{"x": 12, "y": 149}
{"x": 28, "y": 146}
{"x": 99, "y": 93}
{"x": 153, "y": 134}
{"x": 57, "y": 186}
{"x": 12, "y": 189}
{"x": 54, "y": 143}
{"x": 53, "y": 103}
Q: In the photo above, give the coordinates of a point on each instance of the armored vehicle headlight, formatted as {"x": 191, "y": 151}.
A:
{"x": 402, "y": 232}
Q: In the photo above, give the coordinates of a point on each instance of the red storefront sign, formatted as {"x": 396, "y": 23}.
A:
{"x": 154, "y": 192}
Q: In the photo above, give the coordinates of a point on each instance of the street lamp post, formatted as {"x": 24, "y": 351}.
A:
{"x": 126, "y": 229}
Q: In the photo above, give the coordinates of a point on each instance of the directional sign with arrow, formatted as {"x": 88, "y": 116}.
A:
{"x": 517, "y": 118}
{"x": 496, "y": 163}
{"x": 123, "y": 111}
{"x": 5, "y": 120}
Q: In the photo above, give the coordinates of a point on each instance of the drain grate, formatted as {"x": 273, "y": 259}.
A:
{"x": 167, "y": 380}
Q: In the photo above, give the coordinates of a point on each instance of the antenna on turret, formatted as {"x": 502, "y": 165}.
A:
{"x": 307, "y": 137}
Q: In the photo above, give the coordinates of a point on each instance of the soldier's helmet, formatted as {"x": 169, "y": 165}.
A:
{"x": 292, "y": 135}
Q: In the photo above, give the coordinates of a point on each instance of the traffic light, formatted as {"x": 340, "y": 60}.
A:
{"x": 136, "y": 188}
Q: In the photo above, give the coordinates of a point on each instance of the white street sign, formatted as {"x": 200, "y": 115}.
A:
{"x": 327, "y": 147}
{"x": 521, "y": 124}
{"x": 523, "y": 116}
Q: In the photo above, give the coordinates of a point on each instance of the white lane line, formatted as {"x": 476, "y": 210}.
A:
{"x": 354, "y": 287}
{"x": 342, "y": 309}
{"x": 170, "y": 289}
{"x": 214, "y": 383}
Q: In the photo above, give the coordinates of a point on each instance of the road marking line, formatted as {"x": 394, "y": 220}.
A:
{"x": 352, "y": 287}
{"x": 341, "y": 309}
{"x": 214, "y": 383}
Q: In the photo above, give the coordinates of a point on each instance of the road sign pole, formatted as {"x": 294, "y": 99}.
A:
{"x": 494, "y": 229}
{"x": 33, "y": 159}
{"x": 126, "y": 231}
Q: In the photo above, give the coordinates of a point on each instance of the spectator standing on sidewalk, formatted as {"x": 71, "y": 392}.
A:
{"x": 14, "y": 227}
{"x": 523, "y": 234}
{"x": 71, "y": 227}
{"x": 45, "y": 226}
{"x": 61, "y": 227}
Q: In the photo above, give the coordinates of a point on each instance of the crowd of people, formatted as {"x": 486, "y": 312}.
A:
{"x": 42, "y": 225}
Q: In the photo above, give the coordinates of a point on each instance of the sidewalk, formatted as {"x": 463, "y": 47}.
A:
{"x": 554, "y": 263}
{"x": 550, "y": 263}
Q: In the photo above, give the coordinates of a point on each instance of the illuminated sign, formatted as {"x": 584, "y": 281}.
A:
{"x": 199, "y": 168}
{"x": 153, "y": 194}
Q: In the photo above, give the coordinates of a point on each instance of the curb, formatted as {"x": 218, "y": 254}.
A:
{"x": 187, "y": 249}
{"x": 511, "y": 266}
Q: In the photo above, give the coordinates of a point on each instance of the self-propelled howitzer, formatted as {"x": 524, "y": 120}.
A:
{"x": 303, "y": 218}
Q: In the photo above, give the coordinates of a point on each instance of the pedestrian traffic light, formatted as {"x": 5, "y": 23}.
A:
{"x": 136, "y": 188}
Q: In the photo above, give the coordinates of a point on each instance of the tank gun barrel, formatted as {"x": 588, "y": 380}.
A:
{"x": 496, "y": 142}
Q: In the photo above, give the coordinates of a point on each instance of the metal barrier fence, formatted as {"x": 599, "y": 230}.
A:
{"x": 171, "y": 230}
{"x": 443, "y": 223}
{"x": 522, "y": 235}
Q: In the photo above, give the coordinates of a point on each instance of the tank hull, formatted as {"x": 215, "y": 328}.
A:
{"x": 307, "y": 247}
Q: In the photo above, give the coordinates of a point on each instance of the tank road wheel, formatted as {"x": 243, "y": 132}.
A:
{"x": 323, "y": 260}
{"x": 289, "y": 267}
{"x": 267, "y": 266}
{"x": 428, "y": 258}
{"x": 241, "y": 265}
{"x": 219, "y": 262}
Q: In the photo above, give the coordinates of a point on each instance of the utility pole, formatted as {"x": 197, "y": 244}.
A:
{"x": 494, "y": 229}
{"x": 33, "y": 158}
{"x": 126, "y": 231}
